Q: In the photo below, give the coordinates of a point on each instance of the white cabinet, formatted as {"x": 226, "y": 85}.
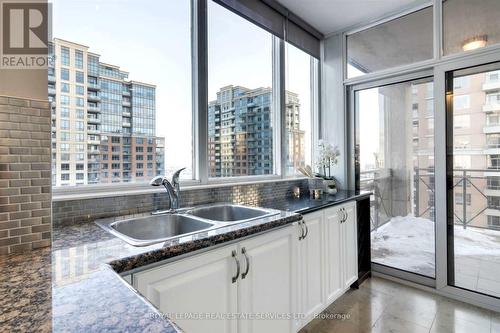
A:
{"x": 328, "y": 259}
{"x": 270, "y": 285}
{"x": 333, "y": 254}
{"x": 196, "y": 285}
{"x": 311, "y": 267}
{"x": 349, "y": 246}
{"x": 301, "y": 268}
{"x": 255, "y": 276}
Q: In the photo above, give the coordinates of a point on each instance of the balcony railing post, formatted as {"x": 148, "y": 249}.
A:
{"x": 417, "y": 192}
{"x": 464, "y": 198}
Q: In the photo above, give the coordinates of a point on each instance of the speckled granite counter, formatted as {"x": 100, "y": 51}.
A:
{"x": 304, "y": 205}
{"x": 72, "y": 288}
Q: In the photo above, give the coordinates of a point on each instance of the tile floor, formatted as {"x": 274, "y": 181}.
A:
{"x": 383, "y": 306}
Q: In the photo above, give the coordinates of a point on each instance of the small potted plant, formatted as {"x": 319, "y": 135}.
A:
{"x": 327, "y": 158}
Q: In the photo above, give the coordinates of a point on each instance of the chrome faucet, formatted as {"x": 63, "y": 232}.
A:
{"x": 173, "y": 189}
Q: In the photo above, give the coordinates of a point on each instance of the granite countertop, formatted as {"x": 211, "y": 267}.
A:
{"x": 304, "y": 204}
{"x": 75, "y": 287}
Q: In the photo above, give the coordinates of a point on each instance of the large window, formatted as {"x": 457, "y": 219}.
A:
{"x": 240, "y": 92}
{"x": 300, "y": 104}
{"x": 123, "y": 83}
{"x": 132, "y": 91}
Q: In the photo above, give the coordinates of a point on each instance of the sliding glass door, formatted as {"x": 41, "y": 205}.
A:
{"x": 394, "y": 138}
{"x": 473, "y": 168}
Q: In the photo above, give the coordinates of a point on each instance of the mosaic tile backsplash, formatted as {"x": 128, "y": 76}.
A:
{"x": 87, "y": 210}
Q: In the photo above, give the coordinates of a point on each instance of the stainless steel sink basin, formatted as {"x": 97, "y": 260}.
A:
{"x": 156, "y": 228}
{"x": 228, "y": 213}
{"x": 142, "y": 231}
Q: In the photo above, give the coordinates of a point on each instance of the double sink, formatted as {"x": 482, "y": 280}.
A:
{"x": 143, "y": 231}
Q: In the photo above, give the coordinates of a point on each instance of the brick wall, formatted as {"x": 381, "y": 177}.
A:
{"x": 71, "y": 212}
{"x": 25, "y": 176}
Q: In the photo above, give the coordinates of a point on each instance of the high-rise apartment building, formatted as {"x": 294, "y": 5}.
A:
{"x": 103, "y": 125}
{"x": 476, "y": 149}
{"x": 240, "y": 132}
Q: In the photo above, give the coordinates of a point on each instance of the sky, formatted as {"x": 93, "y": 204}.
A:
{"x": 151, "y": 39}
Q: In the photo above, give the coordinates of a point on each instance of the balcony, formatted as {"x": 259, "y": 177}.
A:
{"x": 126, "y": 103}
{"x": 126, "y": 124}
{"x": 126, "y": 114}
{"x": 93, "y": 151}
{"x": 52, "y": 91}
{"x": 93, "y": 98}
{"x": 491, "y": 128}
{"x": 94, "y": 141}
{"x": 52, "y": 78}
{"x": 93, "y": 120}
{"x": 491, "y": 108}
{"x": 93, "y": 130}
{"x": 125, "y": 93}
{"x": 93, "y": 108}
{"x": 492, "y": 85}
{"x": 93, "y": 86}
{"x": 397, "y": 234}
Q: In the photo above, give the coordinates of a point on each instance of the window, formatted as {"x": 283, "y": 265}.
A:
{"x": 300, "y": 100}
{"x": 101, "y": 94}
{"x": 464, "y": 20}
{"x": 79, "y": 60}
{"x": 391, "y": 44}
{"x": 79, "y": 125}
{"x": 65, "y": 74}
{"x": 64, "y": 56}
{"x": 494, "y": 162}
{"x": 462, "y": 82}
{"x": 493, "y": 98}
{"x": 240, "y": 122}
{"x": 65, "y": 87}
{"x": 461, "y": 102}
{"x": 64, "y": 112}
{"x": 65, "y": 124}
{"x": 461, "y": 121}
{"x": 459, "y": 198}
{"x": 79, "y": 78}
{"x": 65, "y": 176}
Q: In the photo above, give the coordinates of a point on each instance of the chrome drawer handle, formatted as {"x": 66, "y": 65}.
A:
{"x": 234, "y": 254}
{"x": 244, "y": 252}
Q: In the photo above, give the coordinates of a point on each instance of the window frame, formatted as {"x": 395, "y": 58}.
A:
{"x": 199, "y": 82}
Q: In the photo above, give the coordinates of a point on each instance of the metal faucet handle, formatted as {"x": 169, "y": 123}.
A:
{"x": 175, "y": 178}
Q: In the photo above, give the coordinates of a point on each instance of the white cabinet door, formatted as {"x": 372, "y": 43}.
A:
{"x": 350, "y": 246}
{"x": 334, "y": 285}
{"x": 311, "y": 255}
{"x": 196, "y": 285}
{"x": 269, "y": 287}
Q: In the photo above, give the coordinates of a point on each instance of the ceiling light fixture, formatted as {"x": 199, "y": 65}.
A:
{"x": 475, "y": 43}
